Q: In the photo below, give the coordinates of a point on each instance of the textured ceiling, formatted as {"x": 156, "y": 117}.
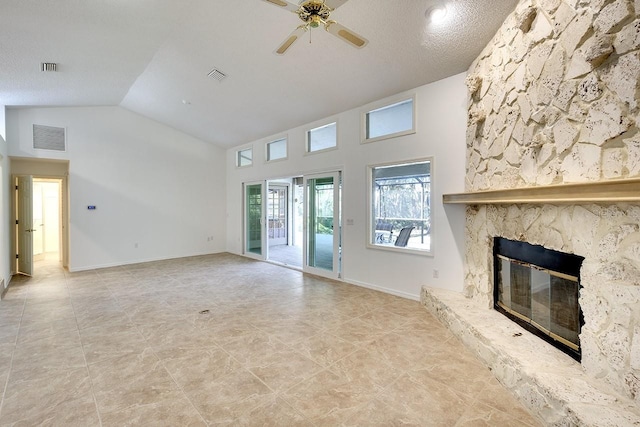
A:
{"x": 151, "y": 55}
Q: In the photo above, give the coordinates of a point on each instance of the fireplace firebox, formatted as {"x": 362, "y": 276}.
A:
{"x": 539, "y": 288}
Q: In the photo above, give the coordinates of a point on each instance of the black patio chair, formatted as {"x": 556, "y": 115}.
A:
{"x": 403, "y": 237}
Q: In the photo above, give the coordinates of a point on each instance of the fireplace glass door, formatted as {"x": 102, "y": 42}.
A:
{"x": 542, "y": 298}
{"x": 549, "y": 300}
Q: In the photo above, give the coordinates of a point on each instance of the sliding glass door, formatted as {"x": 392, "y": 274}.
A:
{"x": 265, "y": 215}
{"x": 322, "y": 224}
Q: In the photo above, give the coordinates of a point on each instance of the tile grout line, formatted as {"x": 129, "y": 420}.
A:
{"x": 84, "y": 356}
{"x": 13, "y": 353}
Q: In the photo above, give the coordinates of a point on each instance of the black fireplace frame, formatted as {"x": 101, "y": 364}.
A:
{"x": 540, "y": 256}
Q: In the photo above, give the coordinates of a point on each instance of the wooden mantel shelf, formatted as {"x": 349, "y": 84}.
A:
{"x": 615, "y": 191}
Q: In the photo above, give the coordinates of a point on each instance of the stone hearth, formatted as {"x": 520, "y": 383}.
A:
{"x": 550, "y": 383}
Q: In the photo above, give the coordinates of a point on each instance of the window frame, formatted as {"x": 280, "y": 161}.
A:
{"x": 307, "y": 139}
{"x": 371, "y": 208}
{"x": 390, "y": 102}
{"x": 284, "y": 138}
{"x": 237, "y": 157}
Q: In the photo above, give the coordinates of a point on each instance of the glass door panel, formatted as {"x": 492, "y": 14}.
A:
{"x": 277, "y": 207}
{"x": 322, "y": 231}
{"x": 253, "y": 206}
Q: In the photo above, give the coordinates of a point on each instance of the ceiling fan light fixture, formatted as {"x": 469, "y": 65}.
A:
{"x": 315, "y": 21}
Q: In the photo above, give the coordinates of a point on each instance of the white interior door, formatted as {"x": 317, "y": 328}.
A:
{"x": 24, "y": 228}
{"x": 322, "y": 224}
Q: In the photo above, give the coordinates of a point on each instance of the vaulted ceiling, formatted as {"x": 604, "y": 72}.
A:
{"x": 153, "y": 57}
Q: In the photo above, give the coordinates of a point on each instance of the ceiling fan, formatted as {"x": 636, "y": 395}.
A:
{"x": 315, "y": 13}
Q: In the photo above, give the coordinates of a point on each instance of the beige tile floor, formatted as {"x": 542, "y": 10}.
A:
{"x": 222, "y": 340}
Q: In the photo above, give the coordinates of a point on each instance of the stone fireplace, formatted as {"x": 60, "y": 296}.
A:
{"x": 553, "y": 101}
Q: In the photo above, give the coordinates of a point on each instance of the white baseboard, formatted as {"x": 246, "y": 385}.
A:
{"x": 139, "y": 261}
{"x": 383, "y": 289}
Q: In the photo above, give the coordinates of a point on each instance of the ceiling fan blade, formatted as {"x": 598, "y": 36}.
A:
{"x": 334, "y": 4}
{"x": 291, "y": 39}
{"x": 293, "y": 7}
{"x": 346, "y": 34}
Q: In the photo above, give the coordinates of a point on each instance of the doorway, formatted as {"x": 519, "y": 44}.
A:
{"x": 47, "y": 209}
{"x": 278, "y": 214}
{"x": 286, "y": 251}
{"x": 40, "y": 230}
{"x": 39, "y": 227}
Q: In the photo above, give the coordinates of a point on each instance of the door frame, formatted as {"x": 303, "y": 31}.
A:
{"x": 64, "y": 215}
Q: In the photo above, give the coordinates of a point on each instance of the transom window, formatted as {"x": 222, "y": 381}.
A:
{"x": 401, "y": 206}
{"x": 244, "y": 157}
{"x": 277, "y": 150}
{"x": 322, "y": 138}
{"x": 389, "y": 121}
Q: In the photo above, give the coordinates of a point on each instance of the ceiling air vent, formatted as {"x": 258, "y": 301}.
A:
{"x": 217, "y": 74}
{"x": 49, "y": 138}
{"x": 48, "y": 66}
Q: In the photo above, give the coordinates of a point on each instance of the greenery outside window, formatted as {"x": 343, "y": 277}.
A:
{"x": 390, "y": 121}
{"x": 322, "y": 138}
{"x": 277, "y": 149}
{"x": 400, "y": 206}
{"x": 244, "y": 157}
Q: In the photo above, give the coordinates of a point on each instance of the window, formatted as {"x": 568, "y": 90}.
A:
{"x": 277, "y": 150}
{"x": 244, "y": 157}
{"x": 400, "y": 206}
{"x": 390, "y": 121}
{"x": 322, "y": 138}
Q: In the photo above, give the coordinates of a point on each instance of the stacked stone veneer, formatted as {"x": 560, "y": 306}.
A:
{"x": 553, "y": 99}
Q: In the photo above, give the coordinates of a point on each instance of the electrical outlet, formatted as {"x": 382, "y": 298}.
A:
{"x": 135, "y": 245}
{"x": 436, "y": 274}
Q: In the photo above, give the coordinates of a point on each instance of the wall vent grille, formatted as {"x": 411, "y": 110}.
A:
{"x": 217, "y": 74}
{"x": 48, "y": 66}
{"x": 49, "y": 138}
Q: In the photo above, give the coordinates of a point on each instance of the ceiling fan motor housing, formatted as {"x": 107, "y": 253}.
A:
{"x": 314, "y": 12}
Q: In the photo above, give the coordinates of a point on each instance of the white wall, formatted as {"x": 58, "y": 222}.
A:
{"x": 5, "y": 186}
{"x": 441, "y": 130}
{"x": 152, "y": 185}
{"x": 3, "y": 131}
